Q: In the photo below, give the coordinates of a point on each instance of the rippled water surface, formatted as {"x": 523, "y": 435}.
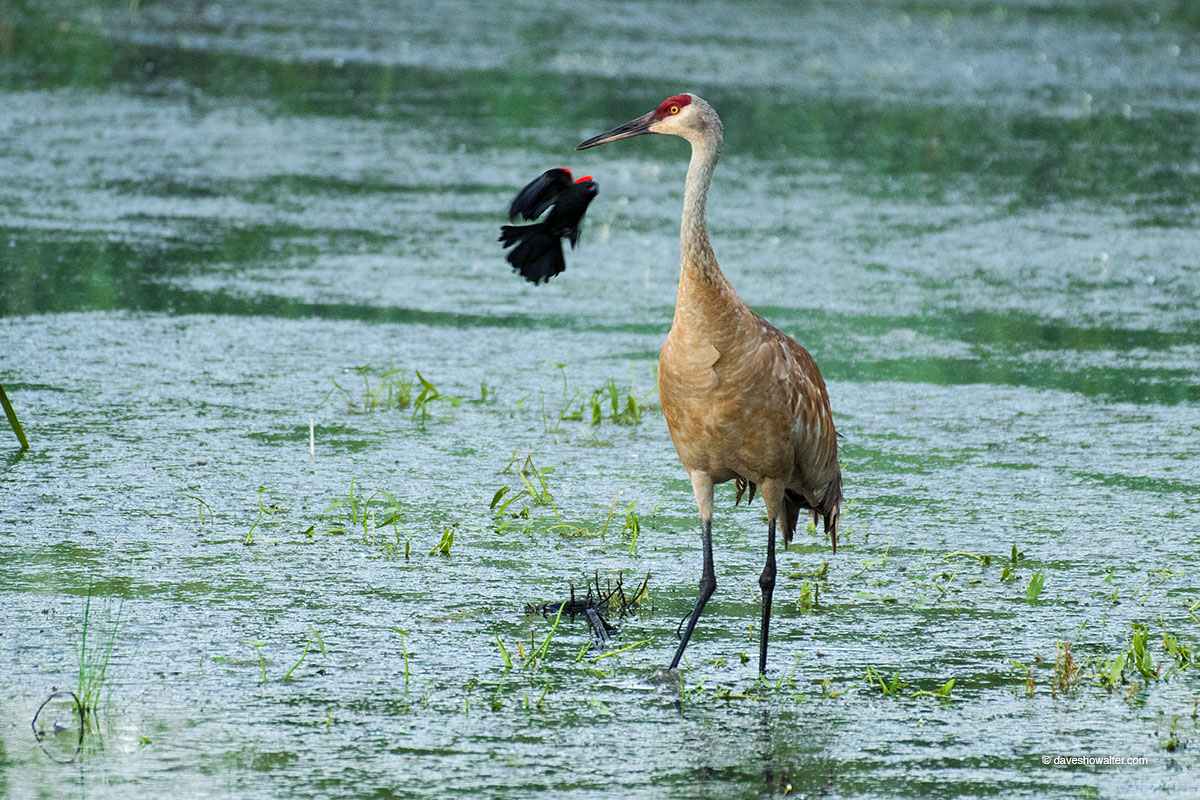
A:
{"x": 227, "y": 226}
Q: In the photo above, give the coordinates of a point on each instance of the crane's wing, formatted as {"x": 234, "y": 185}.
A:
{"x": 541, "y": 193}
{"x": 817, "y": 480}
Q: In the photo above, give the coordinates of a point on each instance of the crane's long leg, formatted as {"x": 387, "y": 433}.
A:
{"x": 708, "y": 584}
{"x": 766, "y": 582}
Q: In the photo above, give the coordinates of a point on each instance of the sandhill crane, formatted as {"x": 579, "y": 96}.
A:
{"x": 743, "y": 401}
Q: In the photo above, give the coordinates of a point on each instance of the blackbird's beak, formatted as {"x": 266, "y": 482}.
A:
{"x": 635, "y": 127}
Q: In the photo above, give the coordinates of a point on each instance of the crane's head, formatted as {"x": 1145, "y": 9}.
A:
{"x": 683, "y": 115}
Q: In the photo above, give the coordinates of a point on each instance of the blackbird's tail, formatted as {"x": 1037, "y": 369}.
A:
{"x": 538, "y": 255}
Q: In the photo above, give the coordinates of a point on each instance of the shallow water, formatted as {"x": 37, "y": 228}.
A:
{"x": 979, "y": 218}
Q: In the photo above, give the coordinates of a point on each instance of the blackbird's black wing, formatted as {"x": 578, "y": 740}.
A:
{"x": 540, "y": 194}
{"x": 568, "y": 212}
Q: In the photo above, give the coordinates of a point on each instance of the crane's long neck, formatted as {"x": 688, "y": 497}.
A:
{"x": 697, "y": 260}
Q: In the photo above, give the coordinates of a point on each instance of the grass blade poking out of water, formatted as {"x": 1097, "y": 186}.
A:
{"x": 627, "y": 647}
{"x": 404, "y": 649}
{"x": 313, "y": 636}
{"x": 887, "y": 688}
{"x": 372, "y": 513}
{"x": 391, "y": 389}
{"x": 442, "y": 548}
{"x": 12, "y": 419}
{"x": 93, "y": 664}
{"x": 503, "y": 653}
{"x": 942, "y": 693}
{"x": 262, "y": 662}
{"x": 263, "y": 513}
{"x": 1036, "y": 581}
{"x": 429, "y": 394}
{"x": 537, "y": 494}
{"x": 540, "y": 653}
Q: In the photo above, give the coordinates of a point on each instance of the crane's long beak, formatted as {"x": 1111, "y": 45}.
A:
{"x": 635, "y": 127}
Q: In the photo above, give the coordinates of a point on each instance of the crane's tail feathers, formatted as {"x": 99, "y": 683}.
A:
{"x": 829, "y": 507}
{"x": 537, "y": 256}
{"x": 792, "y": 503}
{"x": 740, "y": 484}
{"x": 831, "y": 525}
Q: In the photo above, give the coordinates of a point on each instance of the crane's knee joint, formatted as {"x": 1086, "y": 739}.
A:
{"x": 766, "y": 581}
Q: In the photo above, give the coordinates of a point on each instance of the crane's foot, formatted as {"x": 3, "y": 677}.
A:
{"x": 708, "y": 585}
{"x": 669, "y": 679}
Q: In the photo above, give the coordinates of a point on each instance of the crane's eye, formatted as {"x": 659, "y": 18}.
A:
{"x": 673, "y": 110}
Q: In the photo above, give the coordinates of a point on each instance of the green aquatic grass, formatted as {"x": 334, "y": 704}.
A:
{"x": 204, "y": 507}
{"x": 313, "y": 636}
{"x": 391, "y": 389}
{"x": 1184, "y": 657}
{"x": 808, "y": 598}
{"x": 367, "y": 513}
{"x": 93, "y": 662}
{"x": 523, "y": 508}
{"x": 624, "y": 407}
{"x": 503, "y": 653}
{"x": 15, "y": 423}
{"x": 442, "y": 548}
{"x": 609, "y": 401}
{"x": 1067, "y": 671}
{"x": 537, "y": 656}
{"x": 888, "y": 688}
{"x": 1009, "y": 572}
{"x": 631, "y": 528}
{"x": 1139, "y": 653}
{"x": 517, "y": 508}
{"x": 264, "y": 511}
{"x": 618, "y": 651}
{"x": 427, "y": 396}
{"x": 262, "y": 662}
{"x": 942, "y": 692}
{"x": 1153, "y": 581}
{"x": 404, "y": 652}
{"x": 1036, "y": 581}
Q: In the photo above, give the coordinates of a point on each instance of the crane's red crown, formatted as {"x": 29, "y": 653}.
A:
{"x": 677, "y": 102}
{"x": 584, "y": 179}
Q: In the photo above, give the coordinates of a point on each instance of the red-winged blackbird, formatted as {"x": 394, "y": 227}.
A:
{"x": 538, "y": 254}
